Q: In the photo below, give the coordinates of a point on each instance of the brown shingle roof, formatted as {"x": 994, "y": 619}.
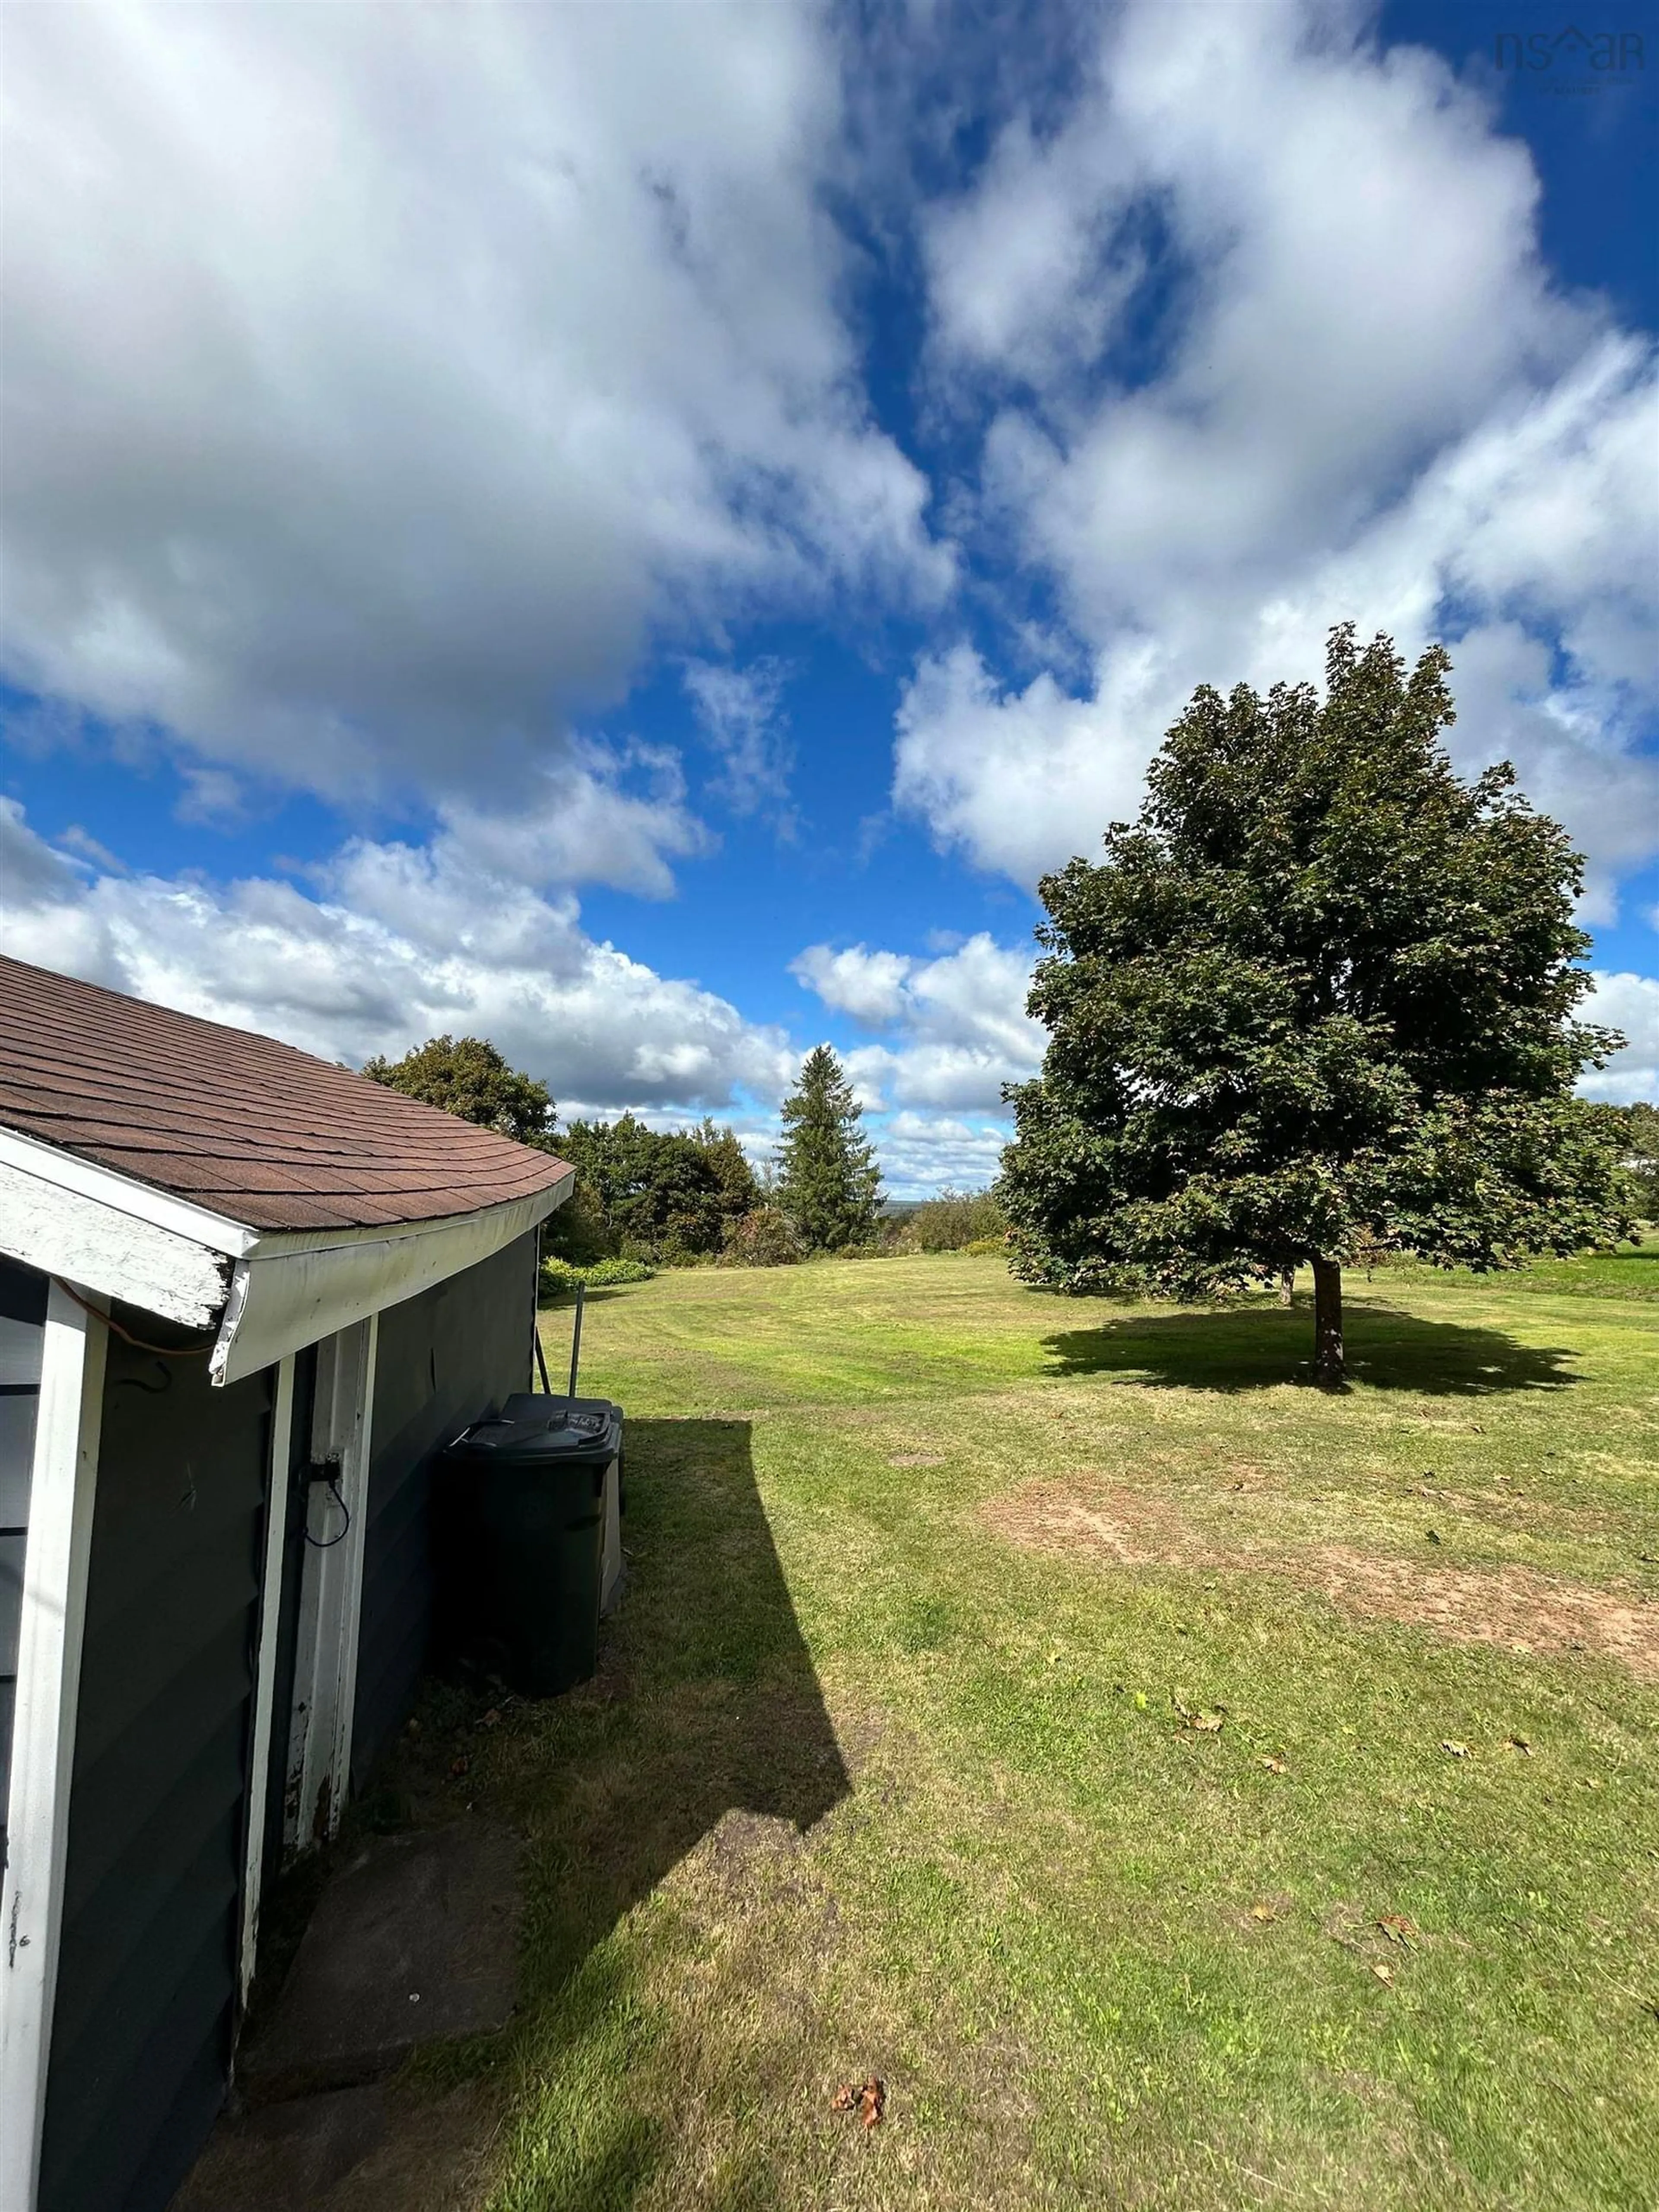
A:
{"x": 241, "y": 1124}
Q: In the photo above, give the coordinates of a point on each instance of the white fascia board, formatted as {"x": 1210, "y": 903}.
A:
{"x": 67, "y": 1233}
{"x": 270, "y": 1291}
{"x": 121, "y": 1193}
{"x": 293, "y": 1290}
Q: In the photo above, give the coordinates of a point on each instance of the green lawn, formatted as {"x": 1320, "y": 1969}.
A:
{"x": 901, "y": 1757}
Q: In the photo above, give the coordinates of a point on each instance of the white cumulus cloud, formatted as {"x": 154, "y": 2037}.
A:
{"x": 378, "y": 379}
{"x": 1259, "y": 340}
{"x": 960, "y": 1029}
{"x": 394, "y": 944}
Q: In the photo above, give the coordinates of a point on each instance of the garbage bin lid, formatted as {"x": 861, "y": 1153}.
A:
{"x": 553, "y": 1431}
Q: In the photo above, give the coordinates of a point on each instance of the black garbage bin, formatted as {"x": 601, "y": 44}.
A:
{"x": 522, "y": 1539}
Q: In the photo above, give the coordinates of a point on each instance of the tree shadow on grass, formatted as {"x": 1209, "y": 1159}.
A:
{"x": 1256, "y": 1348}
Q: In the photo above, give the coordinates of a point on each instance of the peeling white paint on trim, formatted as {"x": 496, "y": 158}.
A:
{"x": 66, "y": 1233}
{"x": 200, "y": 1225}
{"x": 64, "y": 1483}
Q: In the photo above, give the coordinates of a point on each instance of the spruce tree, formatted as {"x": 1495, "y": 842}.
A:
{"x": 1317, "y": 1002}
{"x": 829, "y": 1184}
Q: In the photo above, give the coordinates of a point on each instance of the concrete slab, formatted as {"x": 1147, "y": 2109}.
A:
{"x": 289, "y": 2155}
{"x": 374, "y": 2150}
{"x": 414, "y": 1941}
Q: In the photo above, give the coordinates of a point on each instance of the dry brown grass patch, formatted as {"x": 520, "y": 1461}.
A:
{"x": 1513, "y": 1607}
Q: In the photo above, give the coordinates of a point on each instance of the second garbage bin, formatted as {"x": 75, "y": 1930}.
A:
{"x": 525, "y": 1500}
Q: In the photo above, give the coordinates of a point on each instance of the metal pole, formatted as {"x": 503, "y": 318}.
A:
{"x": 536, "y": 1319}
{"x": 576, "y": 1336}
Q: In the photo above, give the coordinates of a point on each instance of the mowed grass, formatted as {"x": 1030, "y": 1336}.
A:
{"x": 891, "y": 1764}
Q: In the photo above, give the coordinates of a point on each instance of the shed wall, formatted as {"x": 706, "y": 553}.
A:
{"x": 444, "y": 1358}
{"x": 147, "y": 1971}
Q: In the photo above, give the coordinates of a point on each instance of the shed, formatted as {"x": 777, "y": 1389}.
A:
{"x": 244, "y": 1296}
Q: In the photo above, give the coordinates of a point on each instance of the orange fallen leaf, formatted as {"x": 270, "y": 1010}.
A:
{"x": 1397, "y": 1928}
{"x": 868, "y": 2098}
{"x": 462, "y": 1765}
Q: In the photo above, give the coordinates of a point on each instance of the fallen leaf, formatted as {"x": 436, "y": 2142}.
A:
{"x": 492, "y": 1718}
{"x": 1457, "y": 1750}
{"x": 1140, "y": 1700}
{"x": 1525, "y": 1649}
{"x": 1264, "y": 1912}
{"x": 1519, "y": 1743}
{"x": 1397, "y": 1928}
{"x": 1207, "y": 1723}
{"x": 460, "y": 1766}
{"x": 1277, "y": 1764}
{"x": 1383, "y": 1972}
{"x": 868, "y": 2098}
{"x": 1434, "y": 1535}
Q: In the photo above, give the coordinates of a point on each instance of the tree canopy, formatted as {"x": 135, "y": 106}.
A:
{"x": 829, "y": 1184}
{"x": 652, "y": 1193}
{"x": 1318, "y": 1001}
{"x": 469, "y": 1078}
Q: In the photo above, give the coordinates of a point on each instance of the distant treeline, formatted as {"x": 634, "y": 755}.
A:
{"x": 688, "y": 1197}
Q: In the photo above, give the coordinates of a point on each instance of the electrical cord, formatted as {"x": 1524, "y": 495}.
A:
{"x": 160, "y": 1351}
{"x": 328, "y": 1543}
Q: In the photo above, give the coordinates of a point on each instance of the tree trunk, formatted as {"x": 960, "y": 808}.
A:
{"x": 1328, "y": 1324}
{"x": 1287, "y": 1287}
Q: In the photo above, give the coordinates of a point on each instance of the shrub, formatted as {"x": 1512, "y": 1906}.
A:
{"x": 981, "y": 1246}
{"x": 559, "y": 1277}
{"x": 763, "y": 1238}
{"x": 955, "y": 1221}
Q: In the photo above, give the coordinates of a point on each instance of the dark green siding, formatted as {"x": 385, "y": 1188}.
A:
{"x": 146, "y": 1975}
{"x": 442, "y": 1359}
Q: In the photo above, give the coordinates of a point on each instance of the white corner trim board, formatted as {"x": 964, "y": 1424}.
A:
{"x": 267, "y": 1292}
{"x": 330, "y": 1590}
{"x": 62, "y": 1486}
{"x": 264, "y": 1673}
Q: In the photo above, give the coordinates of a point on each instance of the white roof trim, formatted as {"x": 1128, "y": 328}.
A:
{"x": 270, "y": 1291}
{"x": 125, "y": 1195}
{"x": 286, "y": 1294}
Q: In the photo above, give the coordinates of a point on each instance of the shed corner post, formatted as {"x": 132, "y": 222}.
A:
{"x": 64, "y": 1478}
{"x": 337, "y": 1522}
{"x": 264, "y": 1676}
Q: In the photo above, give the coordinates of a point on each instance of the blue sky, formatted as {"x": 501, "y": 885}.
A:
{"x": 641, "y": 532}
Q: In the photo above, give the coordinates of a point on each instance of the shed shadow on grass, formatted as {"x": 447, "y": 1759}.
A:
{"x": 706, "y": 1704}
{"x": 1257, "y": 1347}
